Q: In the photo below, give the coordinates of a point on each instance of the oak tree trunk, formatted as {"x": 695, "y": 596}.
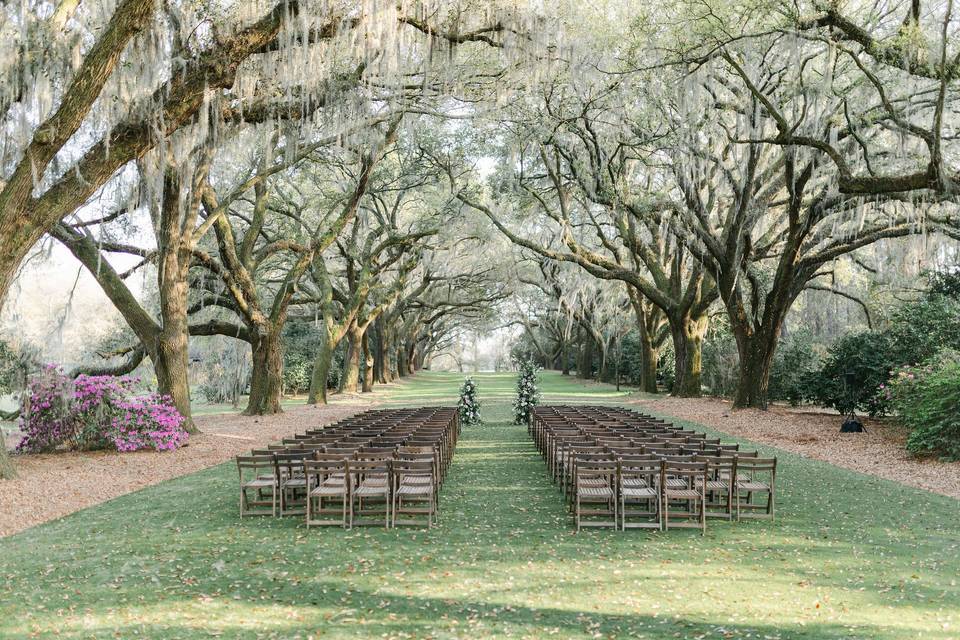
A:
{"x": 7, "y": 470}
{"x": 381, "y": 373}
{"x": 170, "y": 355}
{"x": 648, "y": 364}
{"x": 411, "y": 360}
{"x": 368, "y": 373}
{"x": 266, "y": 379}
{"x": 171, "y": 366}
{"x": 754, "y": 383}
{"x": 756, "y": 349}
{"x": 350, "y": 380}
{"x": 585, "y": 363}
{"x": 321, "y": 368}
{"x": 688, "y": 336}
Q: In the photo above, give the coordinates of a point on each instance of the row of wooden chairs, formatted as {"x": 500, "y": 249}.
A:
{"x": 380, "y": 466}
{"x": 621, "y": 469}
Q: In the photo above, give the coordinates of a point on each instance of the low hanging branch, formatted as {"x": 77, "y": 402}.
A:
{"x": 848, "y": 296}
{"x": 134, "y": 357}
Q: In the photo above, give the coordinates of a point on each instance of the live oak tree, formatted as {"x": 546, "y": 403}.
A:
{"x": 767, "y": 219}
{"x": 267, "y": 241}
{"x": 170, "y": 65}
{"x": 80, "y": 108}
{"x": 174, "y": 221}
{"x": 596, "y": 306}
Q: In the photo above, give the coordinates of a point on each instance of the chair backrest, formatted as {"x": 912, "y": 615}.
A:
{"x": 291, "y": 462}
{"x": 717, "y": 464}
{"x": 581, "y": 450}
{"x": 421, "y": 449}
{"x": 341, "y": 451}
{"x": 362, "y": 467}
{"x": 325, "y": 466}
{"x": 663, "y": 450}
{"x": 406, "y": 465}
{"x": 255, "y": 463}
{"x": 638, "y": 457}
{"x": 626, "y": 451}
{"x": 645, "y": 467}
{"x": 752, "y": 466}
{"x": 366, "y": 451}
{"x": 684, "y": 469}
{"x": 596, "y": 469}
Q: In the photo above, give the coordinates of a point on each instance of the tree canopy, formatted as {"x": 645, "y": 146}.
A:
{"x": 600, "y": 176}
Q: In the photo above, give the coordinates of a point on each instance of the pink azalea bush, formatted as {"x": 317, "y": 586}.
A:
{"x": 96, "y": 412}
{"x": 926, "y": 399}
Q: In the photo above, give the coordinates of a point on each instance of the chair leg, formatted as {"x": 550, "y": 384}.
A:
{"x": 576, "y": 510}
{"x": 350, "y": 515}
{"x": 703, "y": 514}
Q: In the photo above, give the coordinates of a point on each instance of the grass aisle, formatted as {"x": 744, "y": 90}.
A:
{"x": 849, "y": 557}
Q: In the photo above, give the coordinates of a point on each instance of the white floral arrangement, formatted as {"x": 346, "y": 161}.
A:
{"x": 469, "y": 405}
{"x": 528, "y": 393}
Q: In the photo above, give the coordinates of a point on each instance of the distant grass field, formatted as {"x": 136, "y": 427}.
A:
{"x": 850, "y": 556}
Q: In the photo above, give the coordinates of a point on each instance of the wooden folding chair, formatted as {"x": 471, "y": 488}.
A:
{"x": 328, "y": 478}
{"x": 370, "y": 482}
{"x": 638, "y": 477}
{"x": 291, "y": 482}
{"x": 413, "y": 486}
{"x": 595, "y": 483}
{"x": 720, "y": 483}
{"x": 257, "y": 475}
{"x": 755, "y": 476}
{"x": 683, "y": 483}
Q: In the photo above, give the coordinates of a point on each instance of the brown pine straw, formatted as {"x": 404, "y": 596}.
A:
{"x": 815, "y": 434}
{"x": 50, "y": 486}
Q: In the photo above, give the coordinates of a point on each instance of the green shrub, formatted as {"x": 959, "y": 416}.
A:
{"x": 720, "y": 368}
{"x": 297, "y": 371}
{"x": 666, "y": 375}
{"x": 919, "y": 330}
{"x": 793, "y": 364}
{"x": 852, "y": 375}
{"x": 927, "y": 401}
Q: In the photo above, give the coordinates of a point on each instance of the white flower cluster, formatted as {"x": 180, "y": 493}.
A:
{"x": 469, "y": 405}
{"x": 528, "y": 395}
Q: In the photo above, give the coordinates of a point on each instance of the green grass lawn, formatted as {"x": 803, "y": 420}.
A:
{"x": 850, "y": 556}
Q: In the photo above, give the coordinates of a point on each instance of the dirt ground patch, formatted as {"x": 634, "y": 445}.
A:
{"x": 50, "y": 486}
{"x": 815, "y": 434}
